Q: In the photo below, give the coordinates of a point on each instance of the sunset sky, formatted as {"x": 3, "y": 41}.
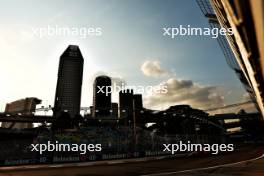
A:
{"x": 131, "y": 49}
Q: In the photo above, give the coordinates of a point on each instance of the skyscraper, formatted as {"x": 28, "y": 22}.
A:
{"x": 69, "y": 83}
{"x": 138, "y": 103}
{"x": 114, "y": 109}
{"x": 102, "y": 96}
{"x": 126, "y": 104}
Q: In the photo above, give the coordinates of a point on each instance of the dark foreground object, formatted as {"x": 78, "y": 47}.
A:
{"x": 160, "y": 167}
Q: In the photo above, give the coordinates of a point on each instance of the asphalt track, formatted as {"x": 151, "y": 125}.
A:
{"x": 245, "y": 162}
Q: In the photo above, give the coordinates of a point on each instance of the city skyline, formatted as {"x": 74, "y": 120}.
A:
{"x": 134, "y": 52}
{"x": 131, "y": 87}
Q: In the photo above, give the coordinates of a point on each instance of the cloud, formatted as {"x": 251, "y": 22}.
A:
{"x": 116, "y": 80}
{"x": 246, "y": 97}
{"x": 185, "y": 92}
{"x": 152, "y": 68}
{"x": 249, "y": 107}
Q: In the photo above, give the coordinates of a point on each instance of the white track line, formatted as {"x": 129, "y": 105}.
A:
{"x": 205, "y": 168}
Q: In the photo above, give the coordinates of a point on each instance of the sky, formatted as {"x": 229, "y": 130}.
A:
{"x": 131, "y": 49}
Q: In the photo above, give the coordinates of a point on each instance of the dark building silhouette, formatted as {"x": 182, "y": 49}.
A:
{"x": 137, "y": 106}
{"x": 91, "y": 111}
{"x": 114, "y": 110}
{"x": 102, "y": 97}
{"x": 26, "y": 106}
{"x": 126, "y": 104}
{"x": 138, "y": 103}
{"x": 69, "y": 83}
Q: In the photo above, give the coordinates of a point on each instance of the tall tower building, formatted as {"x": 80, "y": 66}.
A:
{"x": 137, "y": 107}
{"x": 138, "y": 103}
{"x": 102, "y": 96}
{"x": 126, "y": 104}
{"x": 114, "y": 109}
{"x": 69, "y": 83}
